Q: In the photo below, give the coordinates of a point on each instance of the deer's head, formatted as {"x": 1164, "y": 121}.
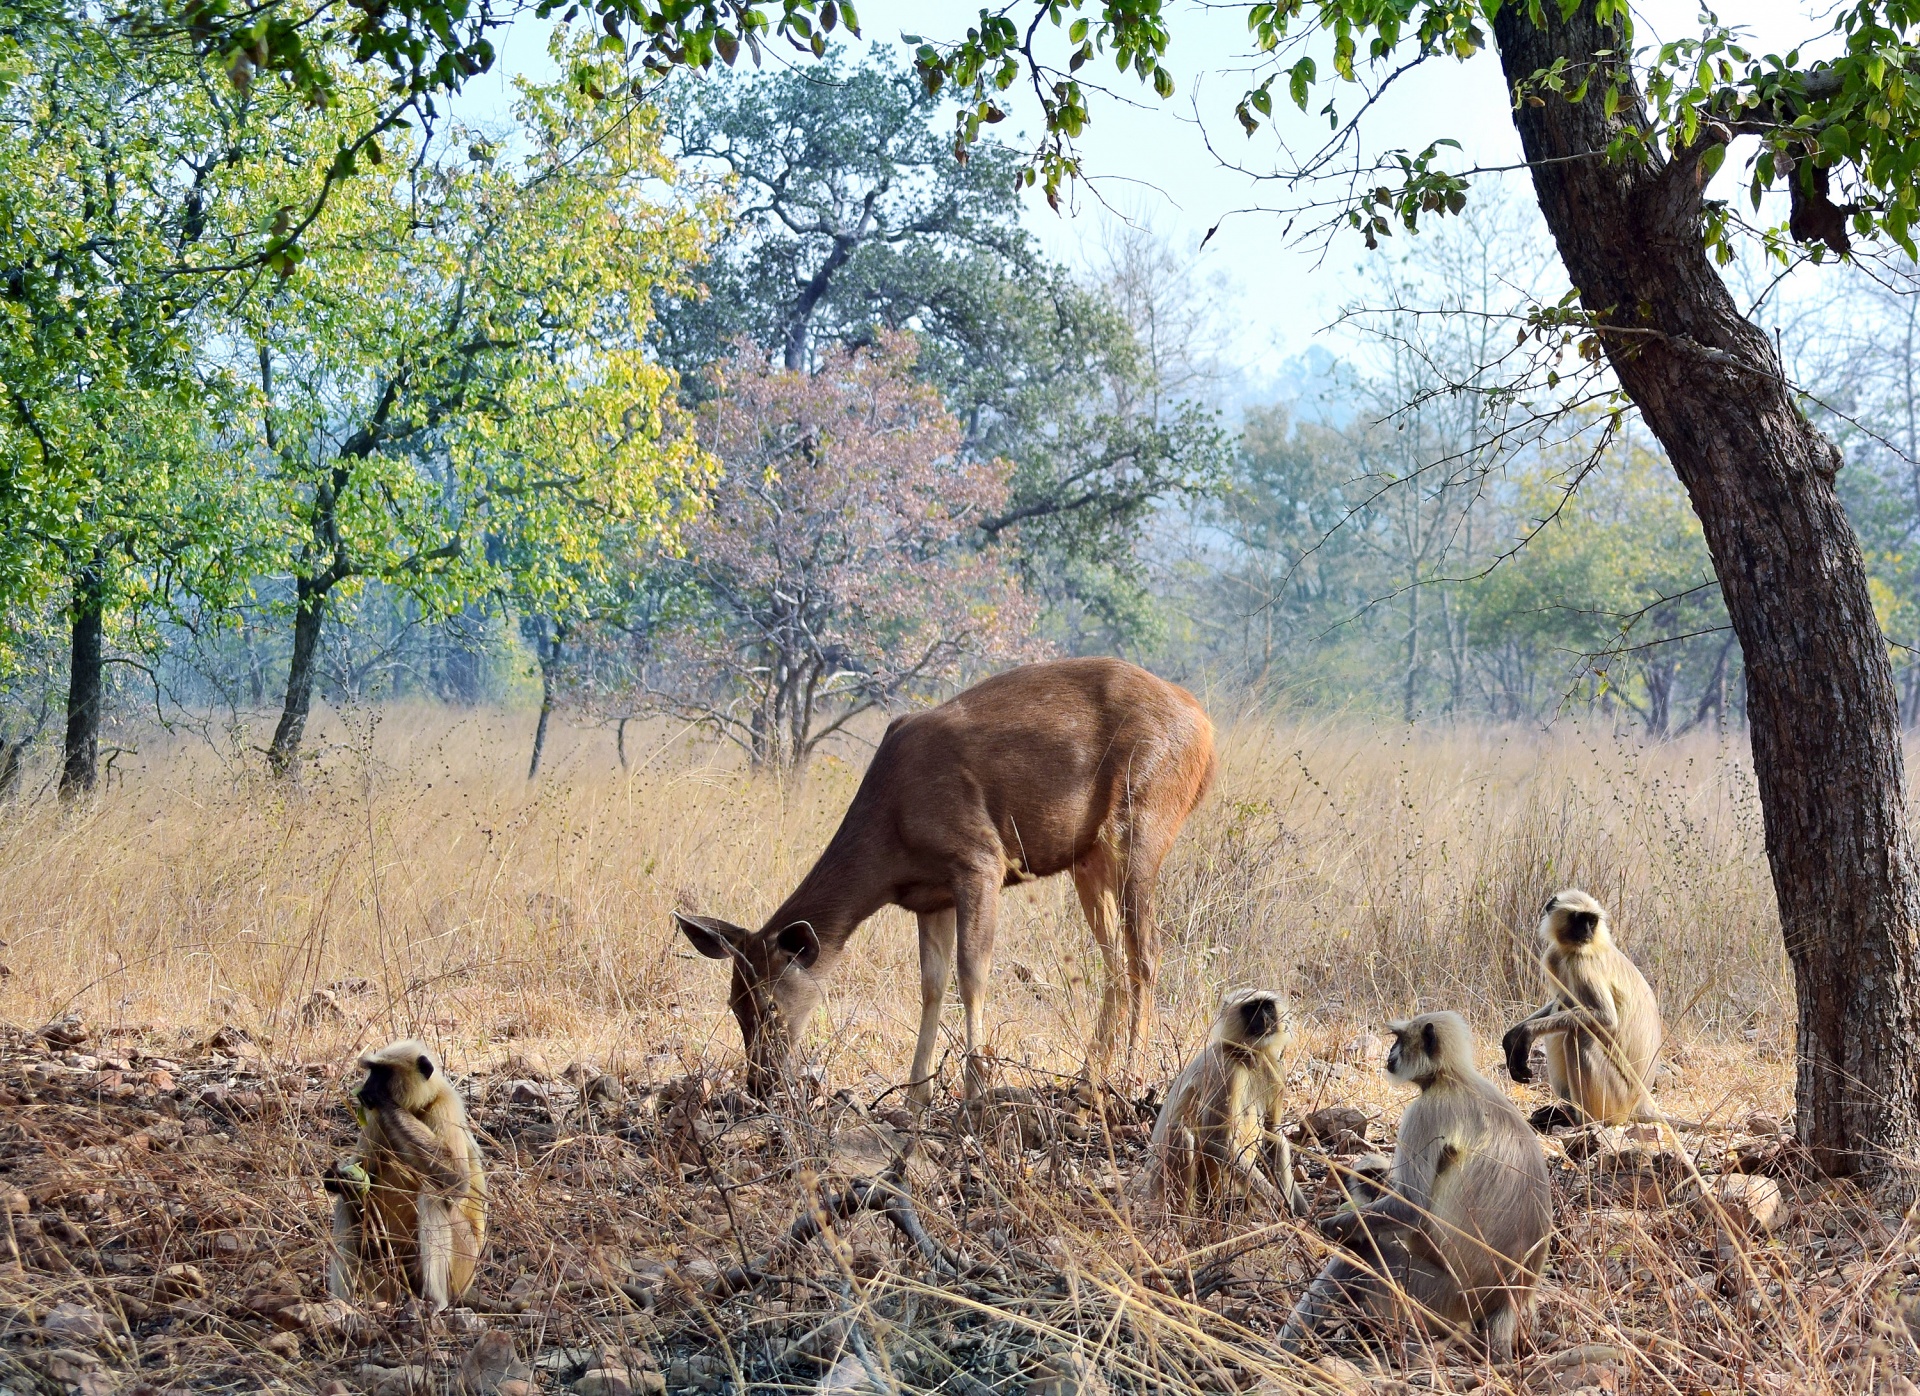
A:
{"x": 774, "y": 991}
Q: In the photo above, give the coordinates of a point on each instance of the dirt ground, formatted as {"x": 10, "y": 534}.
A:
{"x": 166, "y": 1230}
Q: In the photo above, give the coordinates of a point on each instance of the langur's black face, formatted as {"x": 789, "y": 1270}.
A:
{"x": 1260, "y": 1018}
{"x": 377, "y": 1091}
{"x": 1579, "y": 927}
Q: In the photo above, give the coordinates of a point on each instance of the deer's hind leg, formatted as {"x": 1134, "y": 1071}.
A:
{"x": 1141, "y": 857}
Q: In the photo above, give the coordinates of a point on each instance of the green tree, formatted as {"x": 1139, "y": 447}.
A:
{"x": 1618, "y": 580}
{"x": 850, "y": 214}
{"x": 454, "y": 394}
{"x": 135, "y": 205}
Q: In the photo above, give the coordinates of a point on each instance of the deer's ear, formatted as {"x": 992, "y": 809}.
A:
{"x": 799, "y": 941}
{"x": 710, "y": 935}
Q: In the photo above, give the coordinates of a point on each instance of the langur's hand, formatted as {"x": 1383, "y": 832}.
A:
{"x": 1341, "y": 1227}
{"x": 346, "y": 1179}
{"x": 1517, "y": 1044}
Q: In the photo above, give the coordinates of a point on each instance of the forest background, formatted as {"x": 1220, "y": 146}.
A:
{"x": 737, "y": 398}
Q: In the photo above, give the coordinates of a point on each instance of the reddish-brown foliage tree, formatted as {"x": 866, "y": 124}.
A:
{"x": 838, "y": 567}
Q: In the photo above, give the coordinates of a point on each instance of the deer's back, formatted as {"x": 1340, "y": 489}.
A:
{"x": 1036, "y": 765}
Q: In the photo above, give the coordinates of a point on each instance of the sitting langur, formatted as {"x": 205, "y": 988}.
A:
{"x": 1602, "y": 1025}
{"x": 1458, "y": 1237}
{"x": 1220, "y": 1125}
{"x": 413, "y": 1202}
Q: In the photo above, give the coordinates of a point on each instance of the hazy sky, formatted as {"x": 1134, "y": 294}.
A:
{"x": 1151, "y": 161}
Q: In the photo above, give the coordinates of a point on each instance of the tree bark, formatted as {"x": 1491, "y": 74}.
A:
{"x": 309, "y": 617}
{"x": 1821, "y": 706}
{"x": 86, "y": 680}
{"x": 547, "y": 649}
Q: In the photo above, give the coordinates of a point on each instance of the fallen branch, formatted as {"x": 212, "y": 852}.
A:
{"x": 884, "y": 1193}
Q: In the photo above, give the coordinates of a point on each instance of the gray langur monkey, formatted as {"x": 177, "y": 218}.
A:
{"x": 1458, "y": 1238}
{"x": 1218, "y": 1133}
{"x": 1602, "y": 1024}
{"x": 410, "y": 1209}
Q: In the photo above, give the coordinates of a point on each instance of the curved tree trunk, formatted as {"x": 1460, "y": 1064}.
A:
{"x": 309, "y": 619}
{"x": 1821, "y": 704}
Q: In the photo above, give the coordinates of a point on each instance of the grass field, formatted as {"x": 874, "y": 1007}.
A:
{"x": 1370, "y": 872}
{"x": 417, "y": 883}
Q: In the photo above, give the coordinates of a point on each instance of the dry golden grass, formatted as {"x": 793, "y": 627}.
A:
{"x": 1371, "y": 872}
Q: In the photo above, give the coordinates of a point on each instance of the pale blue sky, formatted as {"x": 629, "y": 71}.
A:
{"x": 1150, "y": 161}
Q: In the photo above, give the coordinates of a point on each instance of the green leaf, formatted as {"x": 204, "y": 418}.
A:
{"x": 1299, "y": 79}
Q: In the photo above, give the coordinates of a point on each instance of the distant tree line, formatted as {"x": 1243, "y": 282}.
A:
{"x": 739, "y": 398}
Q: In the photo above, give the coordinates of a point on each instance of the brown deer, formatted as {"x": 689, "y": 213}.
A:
{"x": 1087, "y": 766}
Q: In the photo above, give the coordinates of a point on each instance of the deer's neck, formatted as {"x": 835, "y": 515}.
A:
{"x": 850, "y": 882}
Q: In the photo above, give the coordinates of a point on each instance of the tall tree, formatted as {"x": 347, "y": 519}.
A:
{"x": 1821, "y": 707}
{"x": 850, "y": 214}
{"x": 852, "y": 218}
{"x": 453, "y": 385}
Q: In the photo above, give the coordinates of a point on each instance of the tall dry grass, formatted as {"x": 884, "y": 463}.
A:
{"x": 1371, "y": 870}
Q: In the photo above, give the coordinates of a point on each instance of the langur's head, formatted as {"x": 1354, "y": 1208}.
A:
{"x": 403, "y": 1075}
{"x": 1255, "y": 1018}
{"x": 1430, "y": 1046}
{"x": 1574, "y": 921}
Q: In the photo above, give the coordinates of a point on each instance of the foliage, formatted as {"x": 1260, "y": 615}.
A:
{"x": 135, "y": 190}
{"x": 852, "y": 218}
{"x": 1619, "y": 579}
{"x": 833, "y": 570}
{"x": 455, "y": 395}
{"x": 850, "y": 214}
{"x": 1854, "y": 113}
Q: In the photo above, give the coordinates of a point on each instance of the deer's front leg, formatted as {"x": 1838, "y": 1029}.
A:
{"x": 936, "y": 967}
{"x": 976, "y": 910}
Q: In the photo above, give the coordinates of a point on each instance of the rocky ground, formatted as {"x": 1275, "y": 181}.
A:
{"x": 165, "y": 1230}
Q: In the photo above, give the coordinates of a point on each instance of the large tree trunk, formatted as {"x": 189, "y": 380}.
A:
{"x": 1821, "y": 705}
{"x": 86, "y": 670}
{"x": 309, "y": 617}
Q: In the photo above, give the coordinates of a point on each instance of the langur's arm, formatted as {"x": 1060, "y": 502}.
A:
{"x": 1279, "y": 1160}
{"x": 1390, "y": 1211}
{"x": 435, "y": 1245}
{"x": 1387, "y": 1213}
{"x": 420, "y": 1149}
{"x": 343, "y": 1266}
{"x": 1599, "y": 1015}
{"x": 1518, "y": 1043}
{"x": 1555, "y": 1016}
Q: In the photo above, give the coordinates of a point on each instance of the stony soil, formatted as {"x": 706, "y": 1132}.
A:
{"x": 165, "y": 1230}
